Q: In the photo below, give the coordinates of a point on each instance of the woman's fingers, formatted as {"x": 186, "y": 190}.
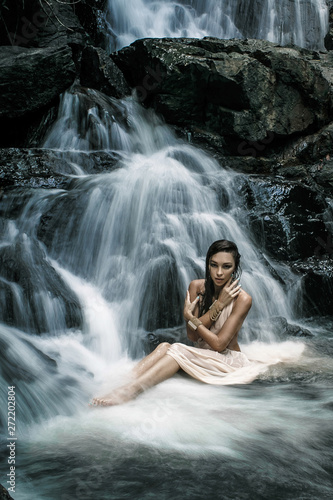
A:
{"x": 188, "y": 299}
{"x": 230, "y": 292}
{"x": 194, "y": 303}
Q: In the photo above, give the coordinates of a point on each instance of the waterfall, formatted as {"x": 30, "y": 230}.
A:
{"x": 94, "y": 273}
{"x": 299, "y": 22}
{"x": 125, "y": 242}
{"x": 142, "y": 230}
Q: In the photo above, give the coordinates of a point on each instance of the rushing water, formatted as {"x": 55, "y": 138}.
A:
{"x": 301, "y": 22}
{"x": 125, "y": 243}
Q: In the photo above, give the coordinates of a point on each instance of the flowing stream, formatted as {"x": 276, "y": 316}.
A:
{"x": 125, "y": 243}
{"x": 301, "y": 22}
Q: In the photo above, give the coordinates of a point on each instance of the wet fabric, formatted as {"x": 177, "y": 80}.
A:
{"x": 205, "y": 364}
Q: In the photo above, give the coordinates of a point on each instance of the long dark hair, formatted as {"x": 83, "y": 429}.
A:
{"x": 218, "y": 246}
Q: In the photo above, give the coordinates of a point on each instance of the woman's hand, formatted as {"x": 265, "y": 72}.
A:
{"x": 229, "y": 292}
{"x": 189, "y": 306}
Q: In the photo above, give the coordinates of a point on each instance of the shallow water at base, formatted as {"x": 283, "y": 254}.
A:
{"x": 270, "y": 439}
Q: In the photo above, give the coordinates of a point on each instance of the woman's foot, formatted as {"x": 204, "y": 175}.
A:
{"x": 117, "y": 397}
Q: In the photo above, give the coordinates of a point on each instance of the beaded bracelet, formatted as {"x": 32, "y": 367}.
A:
{"x": 215, "y": 310}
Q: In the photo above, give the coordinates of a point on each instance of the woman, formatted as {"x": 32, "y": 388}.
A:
{"x": 214, "y": 310}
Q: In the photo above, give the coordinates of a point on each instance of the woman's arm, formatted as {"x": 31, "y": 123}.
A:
{"x": 191, "y": 308}
{"x": 230, "y": 328}
{"x": 194, "y": 289}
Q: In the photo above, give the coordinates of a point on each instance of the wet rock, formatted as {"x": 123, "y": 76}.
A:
{"x": 92, "y": 117}
{"x": 282, "y": 328}
{"x": 4, "y": 495}
{"x": 92, "y": 18}
{"x": 34, "y": 23}
{"x": 40, "y": 56}
{"x": 311, "y": 148}
{"x": 316, "y": 275}
{"x": 306, "y": 159}
{"x": 31, "y": 81}
{"x": 32, "y": 293}
{"x": 322, "y": 173}
{"x": 286, "y": 217}
{"x": 241, "y": 90}
{"x": 329, "y": 36}
{"x": 32, "y": 78}
{"x": 99, "y": 72}
{"x": 18, "y": 370}
{"x": 42, "y": 168}
{"x": 31, "y": 168}
{"x": 161, "y": 310}
{"x": 170, "y": 335}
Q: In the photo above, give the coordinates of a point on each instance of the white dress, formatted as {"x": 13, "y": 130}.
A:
{"x": 205, "y": 364}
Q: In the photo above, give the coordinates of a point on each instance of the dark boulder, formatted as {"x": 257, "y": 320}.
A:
{"x": 91, "y": 16}
{"x": 99, "y": 72}
{"x": 322, "y": 172}
{"x": 316, "y": 285}
{"x": 48, "y": 168}
{"x": 40, "y": 56}
{"x": 39, "y": 23}
{"x": 311, "y": 148}
{"x": 30, "y": 79}
{"x": 329, "y": 36}
{"x": 33, "y": 296}
{"x": 241, "y": 90}
{"x": 279, "y": 327}
{"x": 4, "y": 495}
{"x": 286, "y": 217}
{"x": 283, "y": 329}
{"x": 31, "y": 168}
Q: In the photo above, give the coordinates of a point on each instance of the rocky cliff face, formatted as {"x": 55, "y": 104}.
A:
{"x": 241, "y": 91}
{"x": 257, "y": 107}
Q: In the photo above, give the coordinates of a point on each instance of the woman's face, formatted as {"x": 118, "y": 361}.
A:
{"x": 221, "y": 267}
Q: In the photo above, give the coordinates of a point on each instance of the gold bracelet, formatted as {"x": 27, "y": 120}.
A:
{"x": 194, "y": 323}
{"x": 215, "y": 310}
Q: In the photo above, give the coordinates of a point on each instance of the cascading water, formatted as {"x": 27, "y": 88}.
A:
{"x": 127, "y": 243}
{"x": 138, "y": 247}
{"x": 106, "y": 261}
{"x": 299, "y": 22}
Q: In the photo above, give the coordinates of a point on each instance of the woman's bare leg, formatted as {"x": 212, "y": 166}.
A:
{"x": 150, "y": 360}
{"x": 163, "y": 369}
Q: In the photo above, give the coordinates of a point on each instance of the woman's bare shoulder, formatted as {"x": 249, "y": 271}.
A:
{"x": 243, "y": 301}
{"x": 197, "y": 286}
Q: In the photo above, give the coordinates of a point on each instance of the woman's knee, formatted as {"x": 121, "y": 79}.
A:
{"x": 163, "y": 347}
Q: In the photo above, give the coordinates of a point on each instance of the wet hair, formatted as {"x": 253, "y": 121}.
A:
{"x": 216, "y": 247}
